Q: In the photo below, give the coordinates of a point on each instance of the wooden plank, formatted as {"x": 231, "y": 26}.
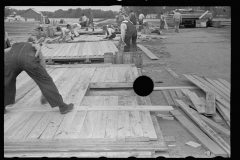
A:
{"x": 218, "y": 87}
{"x": 172, "y": 73}
{"x": 225, "y": 112}
{"x": 52, "y": 127}
{"x": 167, "y": 97}
{"x": 213, "y": 88}
{"x": 147, "y": 52}
{"x": 134, "y": 73}
{"x": 10, "y": 133}
{"x": 115, "y": 74}
{"x": 111, "y": 85}
{"x": 98, "y": 65}
{"x": 88, "y": 125}
{"x": 80, "y": 50}
{"x": 226, "y": 83}
{"x": 59, "y": 48}
{"x": 197, "y": 133}
{"x": 109, "y": 74}
{"x": 112, "y": 119}
{"x": 104, "y": 73}
{"x": 177, "y": 87}
{"x": 216, "y": 126}
{"x": 100, "y": 127}
{"x": 179, "y": 93}
{"x": 62, "y": 131}
{"x": 174, "y": 97}
{"x": 159, "y": 133}
{"x": 65, "y": 47}
{"x": 27, "y": 128}
{"x": 220, "y": 108}
{"x": 209, "y": 131}
{"x": 198, "y": 105}
{"x": 206, "y": 89}
{"x": 97, "y": 74}
{"x": 9, "y": 122}
{"x": 223, "y": 86}
{"x": 128, "y": 75}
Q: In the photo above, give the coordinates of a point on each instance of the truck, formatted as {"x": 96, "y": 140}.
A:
{"x": 190, "y": 17}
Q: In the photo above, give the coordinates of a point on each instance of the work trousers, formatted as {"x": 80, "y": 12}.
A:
{"x": 177, "y": 23}
{"x": 134, "y": 42}
{"x": 91, "y": 22}
{"x": 112, "y": 36}
{"x": 20, "y": 58}
{"x": 141, "y": 24}
{"x": 75, "y": 30}
{"x": 84, "y": 24}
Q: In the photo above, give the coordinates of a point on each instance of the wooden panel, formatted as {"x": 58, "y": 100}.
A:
{"x": 41, "y": 126}
{"x": 209, "y": 131}
{"x": 103, "y": 73}
{"x": 65, "y": 47}
{"x": 128, "y": 75}
{"x": 59, "y": 48}
{"x": 112, "y": 119}
{"x": 9, "y": 121}
{"x": 197, "y": 133}
{"x": 226, "y": 83}
{"x": 52, "y": 127}
{"x": 218, "y": 87}
{"x": 115, "y": 74}
{"x": 27, "y": 128}
{"x": 109, "y": 74}
{"x": 80, "y": 50}
{"x": 97, "y": 74}
{"x": 179, "y": 93}
{"x": 147, "y": 52}
{"x": 70, "y": 52}
{"x": 18, "y": 125}
{"x": 134, "y": 73}
{"x": 223, "y": 86}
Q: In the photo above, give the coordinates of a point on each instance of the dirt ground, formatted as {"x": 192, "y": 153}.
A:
{"x": 201, "y": 51}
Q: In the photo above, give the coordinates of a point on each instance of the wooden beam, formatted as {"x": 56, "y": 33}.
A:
{"x": 110, "y": 85}
{"x": 168, "y": 97}
{"x": 203, "y": 14}
{"x": 90, "y": 65}
{"x": 197, "y": 133}
{"x": 147, "y": 52}
{"x": 97, "y": 108}
{"x": 216, "y": 126}
{"x": 175, "y": 87}
{"x": 226, "y": 83}
{"x": 209, "y": 131}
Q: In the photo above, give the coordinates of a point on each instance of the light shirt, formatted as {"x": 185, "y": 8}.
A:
{"x": 177, "y": 17}
{"x": 65, "y": 31}
{"x": 141, "y": 16}
{"x": 110, "y": 31}
{"x": 84, "y": 18}
{"x": 124, "y": 29}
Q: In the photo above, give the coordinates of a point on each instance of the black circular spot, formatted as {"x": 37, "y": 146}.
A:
{"x": 143, "y": 86}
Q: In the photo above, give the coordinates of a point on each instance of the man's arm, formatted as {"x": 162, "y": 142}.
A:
{"x": 123, "y": 31}
{"x": 7, "y": 49}
{"x": 43, "y": 61}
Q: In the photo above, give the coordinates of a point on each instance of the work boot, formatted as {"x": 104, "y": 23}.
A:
{"x": 43, "y": 100}
{"x": 66, "y": 108}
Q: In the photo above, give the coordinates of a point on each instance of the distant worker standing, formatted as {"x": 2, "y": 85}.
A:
{"x": 162, "y": 22}
{"x": 177, "y": 19}
{"x": 61, "y": 20}
{"x": 91, "y": 20}
{"x": 83, "y": 20}
{"x": 140, "y": 18}
{"x": 133, "y": 17}
{"x": 128, "y": 33}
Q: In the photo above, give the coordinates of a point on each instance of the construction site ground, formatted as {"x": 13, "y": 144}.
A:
{"x": 201, "y": 51}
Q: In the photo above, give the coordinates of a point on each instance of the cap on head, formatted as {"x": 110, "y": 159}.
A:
{"x": 58, "y": 28}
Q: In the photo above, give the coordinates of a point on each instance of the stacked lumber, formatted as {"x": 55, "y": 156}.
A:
{"x": 207, "y": 133}
{"x": 220, "y": 87}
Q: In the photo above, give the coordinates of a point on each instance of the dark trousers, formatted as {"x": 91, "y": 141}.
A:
{"x": 84, "y": 24}
{"x": 23, "y": 59}
{"x": 134, "y": 42}
{"x": 112, "y": 36}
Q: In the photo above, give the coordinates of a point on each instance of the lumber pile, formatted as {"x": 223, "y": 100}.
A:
{"x": 219, "y": 24}
{"x": 196, "y": 108}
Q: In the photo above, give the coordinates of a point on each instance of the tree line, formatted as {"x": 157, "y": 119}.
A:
{"x": 70, "y": 13}
{"x": 217, "y": 10}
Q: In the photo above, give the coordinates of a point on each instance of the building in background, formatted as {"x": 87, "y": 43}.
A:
{"x": 32, "y": 13}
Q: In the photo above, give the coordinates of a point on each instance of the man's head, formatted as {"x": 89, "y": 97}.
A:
{"x": 68, "y": 26}
{"x": 58, "y": 28}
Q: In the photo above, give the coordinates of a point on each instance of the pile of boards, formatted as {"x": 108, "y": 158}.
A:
{"x": 196, "y": 108}
{"x": 219, "y": 24}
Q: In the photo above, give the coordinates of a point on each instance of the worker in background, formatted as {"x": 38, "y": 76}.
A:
{"x": 177, "y": 19}
{"x": 65, "y": 34}
{"x": 6, "y": 41}
{"x": 133, "y": 17}
{"x": 61, "y": 21}
{"x": 91, "y": 20}
{"x": 47, "y": 21}
{"x": 83, "y": 20}
{"x": 140, "y": 18}
{"x": 110, "y": 33}
{"x": 74, "y": 27}
{"x": 23, "y": 57}
{"x": 162, "y": 22}
{"x": 128, "y": 33}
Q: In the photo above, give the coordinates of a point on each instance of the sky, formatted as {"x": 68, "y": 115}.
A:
{"x": 54, "y": 8}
